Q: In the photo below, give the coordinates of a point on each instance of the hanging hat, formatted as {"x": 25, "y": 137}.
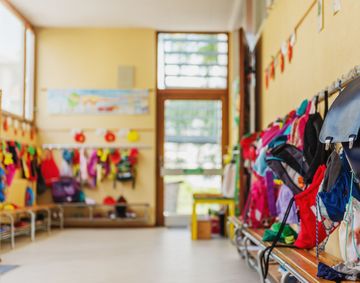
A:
{"x": 133, "y": 136}
{"x": 115, "y": 156}
{"x": 109, "y": 200}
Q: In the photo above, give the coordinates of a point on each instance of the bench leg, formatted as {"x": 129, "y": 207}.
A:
{"x": 236, "y": 239}
{"x": 194, "y": 222}
{"x": 240, "y": 242}
{"x": 12, "y": 231}
{"x": 285, "y": 277}
{"x": 33, "y": 225}
{"x": 249, "y": 261}
{"x": 231, "y": 207}
{"x": 12, "y": 228}
{"x": 61, "y": 217}
{"x": 48, "y": 211}
{"x": 241, "y": 248}
{"x": 259, "y": 256}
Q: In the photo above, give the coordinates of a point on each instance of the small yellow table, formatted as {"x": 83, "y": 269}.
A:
{"x": 208, "y": 199}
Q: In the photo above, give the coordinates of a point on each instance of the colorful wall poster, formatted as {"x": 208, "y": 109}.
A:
{"x": 97, "y": 101}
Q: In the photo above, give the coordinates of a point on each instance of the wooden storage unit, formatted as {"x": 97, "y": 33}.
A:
{"x": 204, "y": 229}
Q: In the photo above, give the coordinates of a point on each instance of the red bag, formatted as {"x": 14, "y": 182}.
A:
{"x": 248, "y": 147}
{"x": 49, "y": 169}
{"x": 306, "y": 204}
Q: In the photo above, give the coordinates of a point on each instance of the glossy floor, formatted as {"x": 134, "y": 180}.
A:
{"x": 125, "y": 255}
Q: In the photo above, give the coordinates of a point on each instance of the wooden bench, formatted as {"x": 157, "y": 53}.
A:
{"x": 299, "y": 263}
{"x": 11, "y": 216}
{"x": 96, "y": 215}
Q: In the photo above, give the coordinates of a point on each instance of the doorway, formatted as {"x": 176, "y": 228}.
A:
{"x": 191, "y": 143}
{"x": 192, "y": 120}
{"x": 192, "y": 135}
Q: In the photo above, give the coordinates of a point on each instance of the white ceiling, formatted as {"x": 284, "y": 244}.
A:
{"x": 180, "y": 15}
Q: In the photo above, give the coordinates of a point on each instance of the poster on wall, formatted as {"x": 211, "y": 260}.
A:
{"x": 97, "y": 101}
{"x": 320, "y": 15}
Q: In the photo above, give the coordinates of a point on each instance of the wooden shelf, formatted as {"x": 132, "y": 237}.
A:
{"x": 90, "y": 219}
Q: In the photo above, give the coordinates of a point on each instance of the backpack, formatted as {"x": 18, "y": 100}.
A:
{"x": 288, "y": 164}
{"x": 272, "y": 192}
{"x": 66, "y": 190}
{"x": 306, "y": 204}
{"x": 314, "y": 151}
{"x": 297, "y": 135}
{"x": 40, "y": 182}
{"x": 348, "y": 243}
{"x": 256, "y": 212}
{"x": 121, "y": 208}
{"x": 49, "y": 169}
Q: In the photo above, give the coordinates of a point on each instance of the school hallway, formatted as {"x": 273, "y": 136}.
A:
{"x": 135, "y": 255}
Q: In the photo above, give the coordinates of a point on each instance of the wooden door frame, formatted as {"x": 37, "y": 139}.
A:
{"x": 245, "y": 67}
{"x": 242, "y": 94}
{"x": 184, "y": 94}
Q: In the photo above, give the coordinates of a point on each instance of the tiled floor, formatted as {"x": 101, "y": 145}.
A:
{"x": 126, "y": 255}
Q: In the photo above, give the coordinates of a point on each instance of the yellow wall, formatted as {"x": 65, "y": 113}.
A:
{"x": 89, "y": 58}
{"x": 319, "y": 58}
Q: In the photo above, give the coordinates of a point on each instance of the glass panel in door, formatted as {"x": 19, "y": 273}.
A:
{"x": 192, "y": 155}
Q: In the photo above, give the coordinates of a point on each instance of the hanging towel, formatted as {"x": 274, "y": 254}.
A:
{"x": 83, "y": 166}
{"x": 228, "y": 184}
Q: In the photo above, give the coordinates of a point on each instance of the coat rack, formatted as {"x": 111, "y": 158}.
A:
{"x": 94, "y": 146}
{"x": 340, "y": 83}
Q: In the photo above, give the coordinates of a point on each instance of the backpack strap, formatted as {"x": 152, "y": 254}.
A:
{"x": 265, "y": 257}
{"x": 316, "y": 103}
{"x": 326, "y": 100}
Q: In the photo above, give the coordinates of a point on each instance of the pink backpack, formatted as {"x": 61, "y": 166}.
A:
{"x": 256, "y": 212}
{"x": 269, "y": 134}
{"x": 298, "y": 128}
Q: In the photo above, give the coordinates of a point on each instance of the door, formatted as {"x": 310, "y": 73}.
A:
{"x": 192, "y": 143}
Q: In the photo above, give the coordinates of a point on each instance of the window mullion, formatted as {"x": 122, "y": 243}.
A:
{"x": 24, "y": 75}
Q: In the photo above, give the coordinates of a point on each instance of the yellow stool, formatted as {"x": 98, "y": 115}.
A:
{"x": 209, "y": 199}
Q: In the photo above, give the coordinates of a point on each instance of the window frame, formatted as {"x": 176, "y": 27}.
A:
{"x": 194, "y": 32}
{"x": 27, "y": 27}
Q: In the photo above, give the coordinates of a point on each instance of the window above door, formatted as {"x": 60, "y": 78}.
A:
{"x": 193, "y": 60}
